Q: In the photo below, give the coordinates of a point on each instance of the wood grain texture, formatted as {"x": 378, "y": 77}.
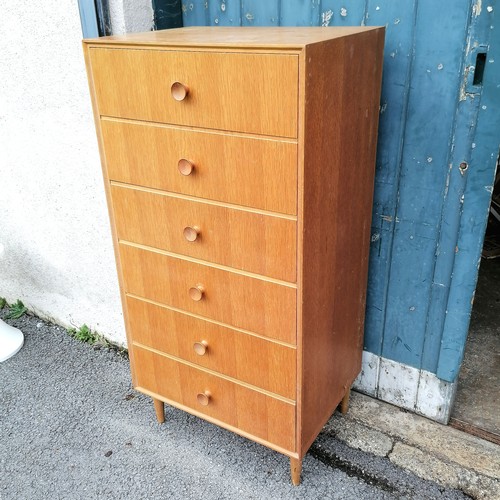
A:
{"x": 159, "y": 410}
{"x": 300, "y": 254}
{"x": 257, "y": 243}
{"x": 295, "y": 470}
{"x": 282, "y": 38}
{"x": 342, "y": 91}
{"x": 344, "y": 404}
{"x": 248, "y": 358}
{"x": 255, "y": 413}
{"x": 244, "y": 170}
{"x": 230, "y": 291}
{"x": 102, "y": 154}
{"x": 253, "y": 304}
{"x": 224, "y": 92}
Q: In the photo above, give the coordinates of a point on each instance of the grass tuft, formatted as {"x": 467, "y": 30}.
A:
{"x": 16, "y": 310}
{"x": 87, "y": 335}
{"x": 3, "y": 302}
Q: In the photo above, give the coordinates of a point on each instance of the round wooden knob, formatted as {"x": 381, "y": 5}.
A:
{"x": 203, "y": 398}
{"x": 191, "y": 233}
{"x": 179, "y": 91}
{"x": 196, "y": 292}
{"x": 200, "y": 348}
{"x": 185, "y": 167}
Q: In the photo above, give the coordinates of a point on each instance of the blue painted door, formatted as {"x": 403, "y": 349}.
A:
{"x": 88, "y": 18}
{"x": 432, "y": 186}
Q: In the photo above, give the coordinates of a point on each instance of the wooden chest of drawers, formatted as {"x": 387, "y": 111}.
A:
{"x": 238, "y": 165}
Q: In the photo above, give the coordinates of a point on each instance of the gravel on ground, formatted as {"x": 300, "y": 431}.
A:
{"x": 72, "y": 427}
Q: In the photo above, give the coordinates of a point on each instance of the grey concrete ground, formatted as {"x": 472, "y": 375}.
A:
{"x": 71, "y": 427}
{"x": 430, "y": 450}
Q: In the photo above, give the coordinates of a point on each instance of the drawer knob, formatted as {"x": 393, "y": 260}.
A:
{"x": 185, "y": 166}
{"x": 191, "y": 233}
{"x": 179, "y": 91}
{"x": 200, "y": 348}
{"x": 196, "y": 292}
{"x": 203, "y": 398}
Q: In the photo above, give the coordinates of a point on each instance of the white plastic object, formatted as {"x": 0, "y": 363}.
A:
{"x": 11, "y": 341}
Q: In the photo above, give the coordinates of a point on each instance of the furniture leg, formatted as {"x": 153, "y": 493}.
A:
{"x": 344, "y": 404}
{"x": 295, "y": 470}
{"x": 160, "y": 410}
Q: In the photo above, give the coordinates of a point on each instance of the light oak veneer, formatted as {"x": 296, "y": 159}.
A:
{"x": 239, "y": 166}
{"x": 240, "y": 169}
{"x": 207, "y": 231}
{"x": 137, "y": 84}
{"x": 249, "y": 358}
{"x": 253, "y": 412}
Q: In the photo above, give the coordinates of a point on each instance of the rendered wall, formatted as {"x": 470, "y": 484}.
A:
{"x": 130, "y": 16}
{"x": 55, "y": 245}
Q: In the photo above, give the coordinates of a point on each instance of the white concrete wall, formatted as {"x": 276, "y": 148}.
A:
{"x": 130, "y": 16}
{"x": 55, "y": 246}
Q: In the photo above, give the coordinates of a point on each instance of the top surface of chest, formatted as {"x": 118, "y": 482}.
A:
{"x": 277, "y": 38}
{"x": 239, "y": 80}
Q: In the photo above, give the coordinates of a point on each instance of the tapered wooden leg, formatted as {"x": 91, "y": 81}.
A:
{"x": 344, "y": 404}
{"x": 295, "y": 470}
{"x": 160, "y": 410}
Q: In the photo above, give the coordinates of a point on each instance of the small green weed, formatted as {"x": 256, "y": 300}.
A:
{"x": 16, "y": 310}
{"x": 84, "y": 334}
{"x": 3, "y": 302}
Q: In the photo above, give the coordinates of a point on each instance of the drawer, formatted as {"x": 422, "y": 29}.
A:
{"x": 253, "y": 304}
{"x": 254, "y": 172}
{"x": 262, "y": 244}
{"x": 250, "y": 411}
{"x": 240, "y": 92}
{"x": 256, "y": 361}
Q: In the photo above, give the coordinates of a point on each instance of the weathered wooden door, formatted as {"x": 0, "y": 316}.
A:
{"x": 438, "y": 144}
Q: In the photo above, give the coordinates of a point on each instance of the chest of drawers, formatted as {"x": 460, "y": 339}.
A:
{"x": 238, "y": 165}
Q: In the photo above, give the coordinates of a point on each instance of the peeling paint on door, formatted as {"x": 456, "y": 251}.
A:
{"x": 432, "y": 184}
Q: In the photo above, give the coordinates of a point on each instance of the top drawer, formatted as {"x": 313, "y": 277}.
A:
{"x": 254, "y": 93}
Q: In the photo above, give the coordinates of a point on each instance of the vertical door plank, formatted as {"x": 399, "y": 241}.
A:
{"x": 195, "y": 13}
{"x": 399, "y": 18}
{"x": 300, "y": 13}
{"x": 435, "y": 86}
{"x": 224, "y": 12}
{"x": 481, "y": 174}
{"x": 335, "y": 13}
{"x": 260, "y": 13}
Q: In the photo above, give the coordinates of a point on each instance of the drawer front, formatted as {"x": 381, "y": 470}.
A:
{"x": 257, "y": 305}
{"x": 259, "y": 173}
{"x": 254, "y": 93}
{"x": 251, "y": 359}
{"x": 250, "y": 411}
{"x": 250, "y": 241}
